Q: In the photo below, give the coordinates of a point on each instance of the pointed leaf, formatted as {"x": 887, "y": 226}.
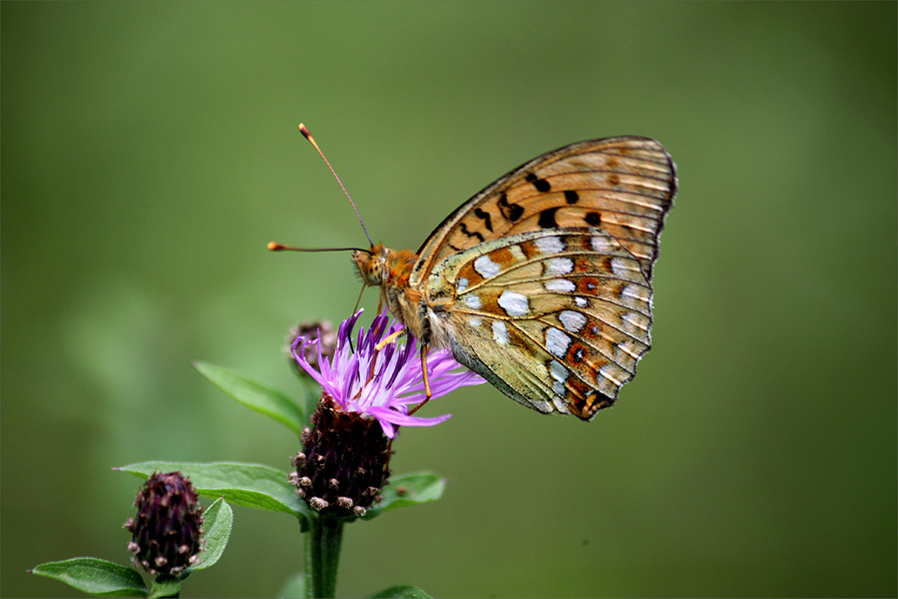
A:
{"x": 257, "y": 397}
{"x": 95, "y": 576}
{"x": 407, "y": 490}
{"x": 217, "y": 521}
{"x": 403, "y": 591}
{"x": 250, "y": 485}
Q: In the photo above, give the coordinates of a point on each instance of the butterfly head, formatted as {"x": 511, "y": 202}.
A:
{"x": 372, "y": 264}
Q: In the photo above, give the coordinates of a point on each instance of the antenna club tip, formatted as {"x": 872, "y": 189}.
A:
{"x": 304, "y": 131}
{"x": 274, "y": 247}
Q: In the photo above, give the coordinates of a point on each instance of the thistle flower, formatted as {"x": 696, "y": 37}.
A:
{"x": 396, "y": 382}
{"x": 366, "y": 396}
{"x": 166, "y": 535}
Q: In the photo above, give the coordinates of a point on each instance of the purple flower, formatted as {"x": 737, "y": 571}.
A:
{"x": 397, "y": 382}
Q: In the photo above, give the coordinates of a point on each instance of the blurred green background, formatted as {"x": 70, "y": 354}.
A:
{"x": 149, "y": 152}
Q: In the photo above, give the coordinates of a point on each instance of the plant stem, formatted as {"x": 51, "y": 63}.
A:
{"x": 323, "y": 556}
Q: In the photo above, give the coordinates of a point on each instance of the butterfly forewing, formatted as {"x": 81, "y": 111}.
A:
{"x": 622, "y": 185}
{"x": 557, "y": 319}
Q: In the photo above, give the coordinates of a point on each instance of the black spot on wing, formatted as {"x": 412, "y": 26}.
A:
{"x": 464, "y": 229}
{"x": 510, "y": 211}
{"x": 577, "y": 353}
{"x": 571, "y": 197}
{"x": 547, "y": 218}
{"x": 540, "y": 184}
{"x": 593, "y": 219}
{"x": 485, "y": 216}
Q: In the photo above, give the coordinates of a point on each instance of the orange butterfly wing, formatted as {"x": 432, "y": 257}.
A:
{"x": 622, "y": 185}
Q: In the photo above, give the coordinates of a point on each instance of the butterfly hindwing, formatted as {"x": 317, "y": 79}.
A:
{"x": 622, "y": 185}
{"x": 554, "y": 318}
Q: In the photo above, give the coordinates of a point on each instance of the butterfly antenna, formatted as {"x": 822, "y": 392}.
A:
{"x": 279, "y": 247}
{"x": 307, "y": 135}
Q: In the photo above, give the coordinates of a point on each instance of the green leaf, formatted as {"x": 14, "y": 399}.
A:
{"x": 250, "y": 485}
{"x": 273, "y": 404}
{"x": 217, "y": 521}
{"x": 165, "y": 587}
{"x": 405, "y": 591}
{"x": 407, "y": 490}
{"x": 95, "y": 576}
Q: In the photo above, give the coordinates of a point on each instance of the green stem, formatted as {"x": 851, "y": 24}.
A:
{"x": 322, "y": 556}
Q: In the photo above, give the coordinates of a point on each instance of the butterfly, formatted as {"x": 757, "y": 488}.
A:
{"x": 542, "y": 282}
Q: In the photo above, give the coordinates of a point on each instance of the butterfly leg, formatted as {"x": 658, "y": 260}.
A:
{"x": 427, "y": 392}
{"x": 389, "y": 339}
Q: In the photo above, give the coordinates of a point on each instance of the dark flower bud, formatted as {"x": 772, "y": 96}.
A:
{"x": 166, "y": 535}
{"x": 346, "y": 461}
{"x": 323, "y": 331}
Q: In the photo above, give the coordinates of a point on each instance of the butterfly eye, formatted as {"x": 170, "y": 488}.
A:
{"x": 371, "y": 267}
{"x": 375, "y": 274}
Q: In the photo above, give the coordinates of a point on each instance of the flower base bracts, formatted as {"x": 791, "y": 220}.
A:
{"x": 344, "y": 462}
{"x": 166, "y": 535}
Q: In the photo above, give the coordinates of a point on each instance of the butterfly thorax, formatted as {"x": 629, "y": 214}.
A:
{"x": 390, "y": 270}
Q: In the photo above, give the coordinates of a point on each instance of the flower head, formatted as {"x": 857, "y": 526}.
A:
{"x": 322, "y": 330}
{"x": 366, "y": 396}
{"x": 166, "y": 535}
{"x": 382, "y": 384}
